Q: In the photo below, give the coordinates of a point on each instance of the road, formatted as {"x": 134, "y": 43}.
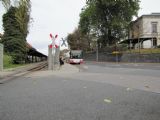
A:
{"x": 99, "y": 91}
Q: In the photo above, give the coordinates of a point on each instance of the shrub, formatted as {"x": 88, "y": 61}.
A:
{"x": 7, "y": 61}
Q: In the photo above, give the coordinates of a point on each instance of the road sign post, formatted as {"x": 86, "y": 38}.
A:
{"x": 53, "y": 45}
{"x": 50, "y": 57}
{"x": 57, "y": 53}
{"x": 53, "y": 53}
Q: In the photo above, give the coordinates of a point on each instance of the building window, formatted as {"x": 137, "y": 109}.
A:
{"x": 154, "y": 42}
{"x": 154, "y": 27}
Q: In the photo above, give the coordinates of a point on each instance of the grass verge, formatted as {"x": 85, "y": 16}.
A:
{"x": 7, "y": 62}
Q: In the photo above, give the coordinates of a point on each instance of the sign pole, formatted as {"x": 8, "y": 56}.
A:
{"x": 53, "y": 51}
{"x": 50, "y": 64}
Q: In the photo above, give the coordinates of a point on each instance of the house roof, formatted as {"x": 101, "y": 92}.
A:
{"x": 29, "y": 46}
{"x": 135, "y": 40}
{"x": 152, "y": 14}
{"x": 147, "y": 15}
{"x": 32, "y": 50}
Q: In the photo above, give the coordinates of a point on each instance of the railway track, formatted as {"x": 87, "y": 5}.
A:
{"x": 19, "y": 73}
{"x": 42, "y": 66}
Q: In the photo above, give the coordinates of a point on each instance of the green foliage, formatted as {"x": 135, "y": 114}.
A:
{"x": 16, "y": 23}
{"x": 7, "y": 61}
{"x": 22, "y": 16}
{"x": 77, "y": 40}
{"x": 108, "y": 19}
{"x": 13, "y": 39}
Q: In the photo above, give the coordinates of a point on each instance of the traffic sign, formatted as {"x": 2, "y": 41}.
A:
{"x": 64, "y": 43}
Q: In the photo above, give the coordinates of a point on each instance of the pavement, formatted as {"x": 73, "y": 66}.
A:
{"x": 19, "y": 71}
{"x": 64, "y": 71}
{"x": 83, "y": 95}
{"x": 142, "y": 79}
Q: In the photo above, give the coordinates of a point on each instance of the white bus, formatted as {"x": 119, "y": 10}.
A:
{"x": 76, "y": 57}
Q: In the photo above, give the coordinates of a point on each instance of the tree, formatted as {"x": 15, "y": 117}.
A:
{"x": 16, "y": 23}
{"x": 6, "y": 4}
{"x": 23, "y": 16}
{"x": 13, "y": 40}
{"x": 108, "y": 19}
{"x": 77, "y": 40}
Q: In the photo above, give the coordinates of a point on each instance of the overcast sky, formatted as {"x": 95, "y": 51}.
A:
{"x": 61, "y": 17}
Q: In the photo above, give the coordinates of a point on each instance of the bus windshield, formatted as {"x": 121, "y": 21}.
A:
{"x": 76, "y": 54}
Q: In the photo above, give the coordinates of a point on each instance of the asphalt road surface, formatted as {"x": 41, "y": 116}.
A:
{"x": 96, "y": 92}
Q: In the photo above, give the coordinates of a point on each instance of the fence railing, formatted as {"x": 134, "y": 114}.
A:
{"x": 123, "y": 57}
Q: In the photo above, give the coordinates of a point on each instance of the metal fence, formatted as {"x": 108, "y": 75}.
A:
{"x": 122, "y": 57}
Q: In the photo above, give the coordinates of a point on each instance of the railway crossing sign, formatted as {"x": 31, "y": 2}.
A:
{"x": 64, "y": 42}
{"x": 54, "y": 51}
{"x": 55, "y": 43}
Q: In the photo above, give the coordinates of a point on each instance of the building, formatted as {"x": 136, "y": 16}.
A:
{"x": 32, "y": 55}
{"x": 145, "y": 31}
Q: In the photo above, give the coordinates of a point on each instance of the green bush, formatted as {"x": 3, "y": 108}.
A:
{"x": 7, "y": 60}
